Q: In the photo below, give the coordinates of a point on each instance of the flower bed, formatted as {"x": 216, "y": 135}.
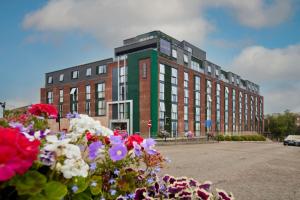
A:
{"x": 240, "y": 138}
{"x": 88, "y": 161}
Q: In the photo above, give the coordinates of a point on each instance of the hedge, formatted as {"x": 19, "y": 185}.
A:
{"x": 240, "y": 138}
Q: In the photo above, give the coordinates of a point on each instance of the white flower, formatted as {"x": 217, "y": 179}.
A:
{"x": 62, "y": 147}
{"x": 73, "y": 167}
{"x": 79, "y": 126}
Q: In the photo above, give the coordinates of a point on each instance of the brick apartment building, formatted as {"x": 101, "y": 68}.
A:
{"x": 156, "y": 77}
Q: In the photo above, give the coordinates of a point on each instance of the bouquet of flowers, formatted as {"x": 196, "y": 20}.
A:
{"x": 89, "y": 161}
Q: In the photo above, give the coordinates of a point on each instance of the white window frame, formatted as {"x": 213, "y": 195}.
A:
{"x": 89, "y": 72}
{"x": 174, "y": 53}
{"x": 61, "y": 77}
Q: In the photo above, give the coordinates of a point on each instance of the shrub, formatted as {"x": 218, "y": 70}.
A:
{"x": 227, "y": 138}
{"x": 220, "y": 137}
{"x": 235, "y": 138}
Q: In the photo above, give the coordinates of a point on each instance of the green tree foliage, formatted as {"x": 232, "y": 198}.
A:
{"x": 282, "y": 125}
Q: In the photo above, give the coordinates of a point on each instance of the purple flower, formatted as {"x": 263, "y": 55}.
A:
{"x": 117, "y": 152}
{"x": 69, "y": 115}
{"x": 94, "y": 149}
{"x": 137, "y": 149}
{"x": 74, "y": 188}
{"x": 47, "y": 158}
{"x": 117, "y": 172}
{"x": 115, "y": 139}
{"x": 113, "y": 192}
{"x": 131, "y": 196}
{"x": 206, "y": 185}
{"x": 150, "y": 180}
{"x": 93, "y": 166}
{"x": 148, "y": 145}
{"x": 203, "y": 194}
{"x": 111, "y": 181}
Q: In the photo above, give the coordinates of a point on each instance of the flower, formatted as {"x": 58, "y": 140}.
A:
{"x": 42, "y": 110}
{"x": 133, "y": 138}
{"x": 94, "y": 149}
{"x": 115, "y": 139}
{"x": 113, "y": 192}
{"x": 137, "y": 149}
{"x": 93, "y": 184}
{"x": 17, "y": 153}
{"x": 117, "y": 152}
{"x": 74, "y": 188}
{"x": 148, "y": 145}
{"x": 117, "y": 172}
{"x": 93, "y": 166}
{"x": 74, "y": 167}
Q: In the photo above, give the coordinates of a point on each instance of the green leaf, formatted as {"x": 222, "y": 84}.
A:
{"x": 95, "y": 190}
{"x": 30, "y": 183}
{"x": 38, "y": 197}
{"x": 81, "y": 183}
{"x": 55, "y": 190}
{"x": 82, "y": 196}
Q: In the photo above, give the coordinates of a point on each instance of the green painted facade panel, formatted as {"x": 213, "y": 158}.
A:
{"x": 133, "y": 88}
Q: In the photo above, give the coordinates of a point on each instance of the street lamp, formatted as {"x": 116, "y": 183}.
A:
{"x": 3, "y": 104}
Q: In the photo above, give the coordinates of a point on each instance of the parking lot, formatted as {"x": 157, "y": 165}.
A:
{"x": 251, "y": 170}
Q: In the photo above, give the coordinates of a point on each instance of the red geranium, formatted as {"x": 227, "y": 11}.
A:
{"x": 133, "y": 138}
{"x": 45, "y": 110}
{"x": 17, "y": 153}
{"x": 91, "y": 137}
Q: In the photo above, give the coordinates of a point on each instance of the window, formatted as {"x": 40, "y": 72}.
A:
{"x": 186, "y": 113}
{"x": 161, "y": 91}
{"x": 144, "y": 75}
{"x": 233, "y": 110}
{"x": 61, "y": 77}
{"x": 174, "y": 94}
{"x": 232, "y": 79}
{"x": 174, "y": 76}
{"x": 189, "y": 49}
{"x": 100, "y": 107}
{"x": 185, "y": 58}
{"x": 217, "y": 72}
{"x": 161, "y": 72}
{"x": 197, "y": 98}
{"x": 186, "y": 96}
{"x": 122, "y": 74}
{"x": 162, "y": 110}
{"x": 218, "y": 107}
{"x": 88, "y": 107}
{"x": 74, "y": 100}
{"x": 88, "y": 71}
{"x": 174, "y": 53}
{"x": 50, "y": 79}
{"x": 209, "y": 69}
{"x": 165, "y": 47}
{"x": 246, "y": 113}
{"x": 75, "y": 74}
{"x": 240, "y": 110}
{"x": 61, "y": 96}
{"x": 197, "y": 129}
{"x": 102, "y": 69}
{"x": 174, "y": 129}
{"x": 186, "y": 80}
{"x": 186, "y": 126}
{"x": 197, "y": 83}
{"x": 122, "y": 92}
{"x": 226, "y": 108}
{"x": 50, "y": 97}
{"x": 208, "y": 100}
{"x": 197, "y": 114}
{"x": 100, "y": 90}
{"x": 195, "y": 66}
{"x": 87, "y": 92}
{"x": 123, "y": 110}
{"x": 174, "y": 112}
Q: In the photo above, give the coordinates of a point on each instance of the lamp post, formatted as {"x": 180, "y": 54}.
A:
{"x": 3, "y": 104}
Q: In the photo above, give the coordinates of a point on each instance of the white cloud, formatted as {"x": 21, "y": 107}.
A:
{"x": 112, "y": 20}
{"x": 276, "y": 70}
{"x": 256, "y": 13}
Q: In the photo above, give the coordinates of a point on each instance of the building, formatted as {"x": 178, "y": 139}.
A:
{"x": 156, "y": 77}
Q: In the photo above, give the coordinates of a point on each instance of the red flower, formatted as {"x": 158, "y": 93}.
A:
{"x": 133, "y": 138}
{"x": 17, "y": 153}
{"x": 91, "y": 137}
{"x": 45, "y": 110}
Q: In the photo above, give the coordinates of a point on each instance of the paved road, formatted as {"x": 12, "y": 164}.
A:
{"x": 249, "y": 170}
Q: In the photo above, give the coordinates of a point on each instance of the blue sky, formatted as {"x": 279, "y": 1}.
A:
{"x": 259, "y": 40}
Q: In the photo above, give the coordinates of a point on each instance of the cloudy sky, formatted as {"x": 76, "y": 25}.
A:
{"x": 258, "y": 39}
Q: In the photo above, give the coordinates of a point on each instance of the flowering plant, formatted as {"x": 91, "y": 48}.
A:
{"x": 89, "y": 161}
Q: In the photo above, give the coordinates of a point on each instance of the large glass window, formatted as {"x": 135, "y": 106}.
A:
{"x": 186, "y": 80}
{"x": 251, "y": 113}
{"x": 101, "y": 107}
{"x": 186, "y": 96}
{"x": 162, "y": 110}
{"x": 195, "y": 65}
{"x": 174, "y": 53}
{"x": 240, "y": 110}
{"x": 174, "y": 128}
{"x": 61, "y": 77}
{"x": 186, "y": 113}
{"x": 100, "y": 102}
{"x": 185, "y": 58}
{"x": 88, "y": 107}
{"x": 122, "y": 74}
